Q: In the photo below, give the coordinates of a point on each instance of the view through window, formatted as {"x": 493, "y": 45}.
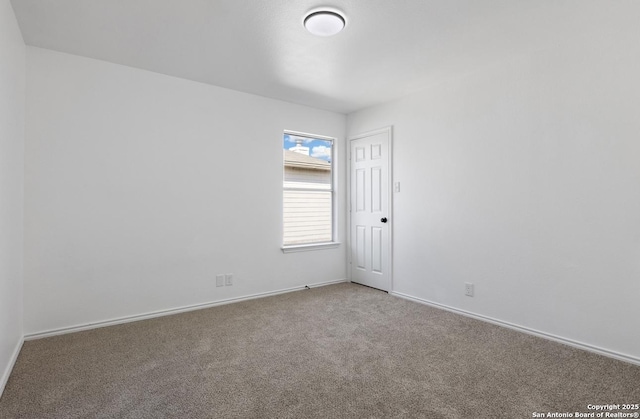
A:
{"x": 308, "y": 190}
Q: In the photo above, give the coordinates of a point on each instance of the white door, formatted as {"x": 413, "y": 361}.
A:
{"x": 370, "y": 209}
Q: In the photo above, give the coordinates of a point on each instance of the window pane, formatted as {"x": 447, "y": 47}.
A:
{"x": 307, "y": 217}
{"x": 308, "y": 190}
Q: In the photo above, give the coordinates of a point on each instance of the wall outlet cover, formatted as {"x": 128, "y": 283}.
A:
{"x": 468, "y": 289}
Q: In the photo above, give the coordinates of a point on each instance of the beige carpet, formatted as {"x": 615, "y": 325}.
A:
{"x": 342, "y": 351}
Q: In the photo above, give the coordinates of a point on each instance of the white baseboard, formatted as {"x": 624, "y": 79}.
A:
{"x": 12, "y": 362}
{"x": 523, "y": 329}
{"x": 160, "y": 313}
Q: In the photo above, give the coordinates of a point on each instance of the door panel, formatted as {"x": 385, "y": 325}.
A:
{"x": 360, "y": 247}
{"x": 370, "y": 207}
{"x": 376, "y": 249}
{"x": 376, "y": 189}
{"x": 360, "y": 192}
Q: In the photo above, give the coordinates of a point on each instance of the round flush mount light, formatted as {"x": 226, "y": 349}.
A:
{"x": 324, "y": 22}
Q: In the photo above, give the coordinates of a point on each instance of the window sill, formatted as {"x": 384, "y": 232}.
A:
{"x": 307, "y": 247}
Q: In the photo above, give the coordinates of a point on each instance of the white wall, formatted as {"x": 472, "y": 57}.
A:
{"x": 138, "y": 192}
{"x": 524, "y": 178}
{"x": 12, "y": 96}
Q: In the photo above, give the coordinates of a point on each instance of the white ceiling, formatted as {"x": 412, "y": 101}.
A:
{"x": 389, "y": 47}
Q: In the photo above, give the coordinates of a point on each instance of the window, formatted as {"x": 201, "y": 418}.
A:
{"x": 308, "y": 193}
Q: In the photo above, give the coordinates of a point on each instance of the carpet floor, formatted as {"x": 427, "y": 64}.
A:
{"x": 340, "y": 351}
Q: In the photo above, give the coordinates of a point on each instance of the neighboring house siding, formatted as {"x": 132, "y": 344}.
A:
{"x": 307, "y": 217}
{"x": 298, "y": 174}
{"x": 307, "y": 214}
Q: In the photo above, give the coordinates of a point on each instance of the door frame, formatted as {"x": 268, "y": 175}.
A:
{"x": 389, "y": 131}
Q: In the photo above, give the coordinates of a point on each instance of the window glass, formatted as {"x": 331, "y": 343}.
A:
{"x": 308, "y": 190}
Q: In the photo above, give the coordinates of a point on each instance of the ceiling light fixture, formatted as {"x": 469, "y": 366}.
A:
{"x": 324, "y": 22}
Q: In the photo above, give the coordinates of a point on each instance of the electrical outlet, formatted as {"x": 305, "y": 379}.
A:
{"x": 468, "y": 289}
{"x": 220, "y": 280}
{"x": 228, "y": 279}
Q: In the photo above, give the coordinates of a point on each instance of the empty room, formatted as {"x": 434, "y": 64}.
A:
{"x": 307, "y": 209}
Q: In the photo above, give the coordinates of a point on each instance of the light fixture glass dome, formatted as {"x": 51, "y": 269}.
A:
{"x": 324, "y": 23}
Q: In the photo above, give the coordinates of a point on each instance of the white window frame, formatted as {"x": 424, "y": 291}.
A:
{"x": 334, "y": 216}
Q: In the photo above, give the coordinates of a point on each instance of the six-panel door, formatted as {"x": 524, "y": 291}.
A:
{"x": 369, "y": 211}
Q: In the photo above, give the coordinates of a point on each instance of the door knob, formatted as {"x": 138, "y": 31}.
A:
{"x": 383, "y": 219}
